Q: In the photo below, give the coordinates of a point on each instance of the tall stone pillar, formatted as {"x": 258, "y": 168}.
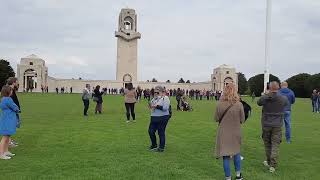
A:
{"x": 127, "y": 46}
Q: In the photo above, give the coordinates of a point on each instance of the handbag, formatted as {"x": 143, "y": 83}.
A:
{"x": 224, "y": 113}
{"x": 95, "y": 99}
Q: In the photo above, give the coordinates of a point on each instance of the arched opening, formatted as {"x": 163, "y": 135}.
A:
{"x": 128, "y": 22}
{"x": 227, "y": 81}
{"x": 30, "y": 80}
{"x": 127, "y": 78}
{"x": 127, "y": 25}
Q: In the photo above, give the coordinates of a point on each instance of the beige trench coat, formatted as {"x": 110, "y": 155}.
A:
{"x": 228, "y": 139}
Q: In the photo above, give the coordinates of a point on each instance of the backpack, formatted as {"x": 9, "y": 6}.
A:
{"x": 247, "y": 109}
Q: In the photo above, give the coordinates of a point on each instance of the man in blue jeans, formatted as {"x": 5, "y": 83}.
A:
{"x": 285, "y": 91}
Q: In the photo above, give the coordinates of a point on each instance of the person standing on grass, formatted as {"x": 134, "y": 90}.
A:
{"x": 85, "y": 98}
{"x": 97, "y": 96}
{"x": 179, "y": 94}
{"x": 130, "y": 98}
{"x": 315, "y": 99}
{"x": 319, "y": 102}
{"x": 13, "y": 83}
{"x": 253, "y": 96}
{"x": 8, "y": 121}
{"x": 273, "y": 107}
{"x": 160, "y": 115}
{"x": 230, "y": 115}
{"x": 285, "y": 91}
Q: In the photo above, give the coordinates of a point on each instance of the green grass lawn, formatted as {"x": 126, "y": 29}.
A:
{"x": 57, "y": 142}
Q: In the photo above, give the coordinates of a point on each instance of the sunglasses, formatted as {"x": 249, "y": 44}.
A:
{"x": 156, "y": 92}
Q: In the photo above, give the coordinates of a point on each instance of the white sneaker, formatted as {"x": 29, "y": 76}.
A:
{"x": 9, "y": 154}
{"x": 272, "y": 169}
{"x": 127, "y": 121}
{"x": 4, "y": 157}
{"x": 265, "y": 163}
{"x": 242, "y": 158}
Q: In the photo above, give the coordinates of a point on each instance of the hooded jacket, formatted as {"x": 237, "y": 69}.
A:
{"x": 273, "y": 105}
{"x": 290, "y": 96}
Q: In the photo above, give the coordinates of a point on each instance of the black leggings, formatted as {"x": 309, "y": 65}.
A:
{"x": 130, "y": 109}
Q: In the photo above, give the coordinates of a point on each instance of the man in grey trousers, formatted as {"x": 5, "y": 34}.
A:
{"x": 273, "y": 105}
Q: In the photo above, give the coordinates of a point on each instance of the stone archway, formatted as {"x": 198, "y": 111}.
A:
{"x": 30, "y": 80}
{"x": 127, "y": 78}
{"x": 227, "y": 81}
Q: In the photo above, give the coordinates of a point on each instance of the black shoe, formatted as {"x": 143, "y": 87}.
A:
{"x": 160, "y": 150}
{"x": 239, "y": 177}
{"x": 153, "y": 148}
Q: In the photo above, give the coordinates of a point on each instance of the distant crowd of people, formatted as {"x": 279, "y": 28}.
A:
{"x": 64, "y": 90}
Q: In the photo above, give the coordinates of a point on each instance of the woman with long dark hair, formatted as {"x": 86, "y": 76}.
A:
{"x": 97, "y": 97}
{"x": 130, "y": 98}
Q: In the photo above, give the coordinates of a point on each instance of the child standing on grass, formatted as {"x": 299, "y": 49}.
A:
{"x": 8, "y": 121}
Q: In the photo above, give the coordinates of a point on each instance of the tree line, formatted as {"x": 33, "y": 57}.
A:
{"x": 301, "y": 84}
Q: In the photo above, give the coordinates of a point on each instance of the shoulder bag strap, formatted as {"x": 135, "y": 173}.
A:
{"x": 224, "y": 113}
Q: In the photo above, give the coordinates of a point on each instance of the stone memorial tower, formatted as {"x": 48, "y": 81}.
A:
{"x": 127, "y": 46}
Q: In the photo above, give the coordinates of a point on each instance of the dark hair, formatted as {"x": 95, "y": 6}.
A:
{"x": 11, "y": 80}
{"x": 98, "y": 87}
{"x": 5, "y": 91}
{"x": 129, "y": 86}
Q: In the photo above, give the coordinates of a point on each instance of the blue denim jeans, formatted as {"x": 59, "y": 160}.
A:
{"x": 226, "y": 164}
{"x": 158, "y": 124}
{"x": 287, "y": 123}
{"x": 315, "y": 106}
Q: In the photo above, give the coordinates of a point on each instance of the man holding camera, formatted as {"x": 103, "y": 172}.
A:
{"x": 273, "y": 106}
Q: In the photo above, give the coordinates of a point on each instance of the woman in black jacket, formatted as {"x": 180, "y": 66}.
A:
{"x": 97, "y": 97}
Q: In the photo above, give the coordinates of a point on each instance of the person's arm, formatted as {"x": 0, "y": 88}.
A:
{"x": 164, "y": 105}
{"x": 11, "y": 105}
{"x": 262, "y": 101}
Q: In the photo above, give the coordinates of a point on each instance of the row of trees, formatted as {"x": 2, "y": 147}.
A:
{"x": 181, "y": 80}
{"x": 301, "y": 84}
{"x": 6, "y": 71}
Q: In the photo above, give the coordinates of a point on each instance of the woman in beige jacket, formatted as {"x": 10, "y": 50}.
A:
{"x": 130, "y": 98}
{"x": 230, "y": 115}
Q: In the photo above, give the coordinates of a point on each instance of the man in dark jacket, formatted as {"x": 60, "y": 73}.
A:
{"x": 285, "y": 91}
{"x": 13, "y": 83}
{"x": 273, "y": 105}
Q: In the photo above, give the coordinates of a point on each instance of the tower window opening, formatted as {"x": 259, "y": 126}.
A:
{"x": 127, "y": 25}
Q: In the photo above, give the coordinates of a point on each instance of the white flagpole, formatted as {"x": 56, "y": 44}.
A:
{"x": 267, "y": 44}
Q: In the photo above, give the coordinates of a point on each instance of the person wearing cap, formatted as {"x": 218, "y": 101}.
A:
{"x": 160, "y": 116}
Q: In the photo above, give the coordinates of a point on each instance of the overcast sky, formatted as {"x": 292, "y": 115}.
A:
{"x": 180, "y": 38}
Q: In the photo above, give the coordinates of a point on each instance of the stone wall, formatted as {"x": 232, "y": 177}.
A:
{"x": 78, "y": 85}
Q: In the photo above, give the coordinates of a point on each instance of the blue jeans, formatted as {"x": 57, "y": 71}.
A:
{"x": 287, "y": 123}
{"x": 226, "y": 164}
{"x": 315, "y": 106}
{"x": 158, "y": 124}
